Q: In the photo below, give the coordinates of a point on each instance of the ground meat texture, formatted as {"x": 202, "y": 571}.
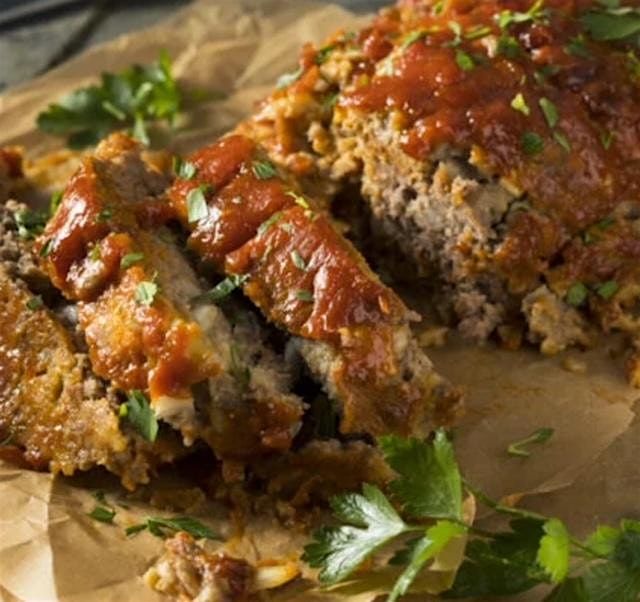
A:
{"x": 500, "y": 157}
{"x": 140, "y": 313}
{"x": 306, "y": 278}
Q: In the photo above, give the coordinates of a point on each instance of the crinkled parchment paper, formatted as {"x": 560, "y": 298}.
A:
{"x": 587, "y": 473}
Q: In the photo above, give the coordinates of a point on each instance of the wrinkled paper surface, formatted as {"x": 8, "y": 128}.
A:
{"x": 588, "y": 472}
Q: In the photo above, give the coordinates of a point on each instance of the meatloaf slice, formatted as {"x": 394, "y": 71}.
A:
{"x": 496, "y": 145}
{"x": 253, "y": 224}
{"x": 54, "y": 412}
{"x": 107, "y": 248}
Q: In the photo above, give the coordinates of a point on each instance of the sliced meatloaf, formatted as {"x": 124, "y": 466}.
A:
{"x": 496, "y": 145}
{"x": 55, "y": 412}
{"x": 107, "y": 248}
{"x": 250, "y": 221}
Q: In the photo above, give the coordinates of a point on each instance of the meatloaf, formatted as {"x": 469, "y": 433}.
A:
{"x": 496, "y": 146}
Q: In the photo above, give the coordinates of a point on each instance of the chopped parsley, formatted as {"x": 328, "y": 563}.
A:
{"x": 562, "y": 140}
{"x": 412, "y": 38}
{"x": 298, "y": 261}
{"x": 146, "y": 293}
{"x": 506, "y": 18}
{"x": 304, "y": 295}
{"x": 47, "y": 247}
{"x": 131, "y": 259}
{"x": 134, "y": 98}
{"x": 550, "y": 112}
{"x": 577, "y": 294}
{"x": 29, "y": 223}
{"x": 477, "y": 32}
{"x": 464, "y": 60}
{"x": 105, "y": 215}
{"x": 96, "y": 253}
{"x": 54, "y": 201}
{"x": 518, "y": 448}
{"x": 103, "y": 514}
{"x": 140, "y": 414}
{"x": 608, "y": 289}
{"x": 323, "y": 54}
{"x": 532, "y": 143}
{"x": 184, "y": 169}
{"x": 160, "y": 527}
{"x": 197, "y": 208}
{"x": 520, "y": 104}
{"x": 286, "y": 79}
{"x": 263, "y": 170}
{"x": 223, "y": 289}
{"x": 34, "y": 303}
{"x": 264, "y": 226}
{"x": 508, "y": 46}
{"x": 299, "y": 200}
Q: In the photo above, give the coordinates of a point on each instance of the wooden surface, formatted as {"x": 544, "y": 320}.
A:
{"x": 32, "y": 45}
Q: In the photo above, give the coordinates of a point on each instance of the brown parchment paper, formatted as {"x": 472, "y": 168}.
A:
{"x": 587, "y": 473}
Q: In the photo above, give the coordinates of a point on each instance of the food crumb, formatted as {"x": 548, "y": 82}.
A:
{"x": 572, "y": 364}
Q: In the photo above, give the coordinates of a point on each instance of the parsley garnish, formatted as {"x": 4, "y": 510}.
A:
{"x": 263, "y": 170}
{"x": 608, "y": 289}
{"x": 477, "y": 32}
{"x": 577, "y": 294}
{"x": 130, "y": 259}
{"x": 578, "y": 47}
{"x": 612, "y": 23}
{"x": 550, "y": 112}
{"x": 298, "y": 261}
{"x": 184, "y": 169}
{"x": 304, "y": 295}
{"x": 146, "y": 292}
{"x": 518, "y": 448}
{"x": 45, "y": 251}
{"x": 464, "y": 60}
{"x": 299, "y": 200}
{"x": 159, "y": 526}
{"x": 520, "y": 104}
{"x": 223, "y": 289}
{"x": 412, "y": 38}
{"x": 140, "y": 414}
{"x": 197, "y": 208}
{"x": 105, "y": 215}
{"x": 34, "y": 303}
{"x": 286, "y": 79}
{"x": 264, "y": 226}
{"x": 562, "y": 140}
{"x": 323, "y": 54}
{"x": 508, "y": 46}
{"x": 606, "y": 138}
{"x": 132, "y": 98}
{"x": 54, "y": 201}
{"x": 534, "y": 549}
{"x": 532, "y": 144}
{"x": 29, "y": 223}
{"x": 507, "y": 17}
{"x": 103, "y": 514}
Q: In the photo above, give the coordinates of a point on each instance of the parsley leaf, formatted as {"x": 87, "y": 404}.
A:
{"x": 304, "y": 295}
{"x": 223, "y": 289}
{"x": 532, "y": 144}
{"x": 263, "y": 170}
{"x": 520, "y": 104}
{"x": 297, "y": 260}
{"x": 146, "y": 293}
{"x": 197, "y": 207}
{"x": 608, "y": 289}
{"x": 130, "y": 259}
{"x": 464, "y": 60}
{"x": 103, "y": 514}
{"x": 34, "y": 303}
{"x": 412, "y": 38}
{"x": 429, "y": 483}
{"x": 553, "y": 554}
{"x": 29, "y": 223}
{"x": 131, "y": 98}
{"x": 577, "y": 294}
{"x": 540, "y": 436}
{"x": 286, "y": 79}
{"x": 159, "y": 526}
{"x": 184, "y": 169}
{"x": 140, "y": 414}
{"x": 371, "y": 522}
{"x": 550, "y": 112}
{"x": 612, "y": 23}
{"x": 425, "y": 549}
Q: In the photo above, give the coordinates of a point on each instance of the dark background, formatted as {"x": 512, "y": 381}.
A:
{"x": 36, "y": 35}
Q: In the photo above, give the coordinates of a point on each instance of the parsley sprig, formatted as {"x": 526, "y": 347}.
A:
{"x": 132, "y": 98}
{"x": 423, "y": 515}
